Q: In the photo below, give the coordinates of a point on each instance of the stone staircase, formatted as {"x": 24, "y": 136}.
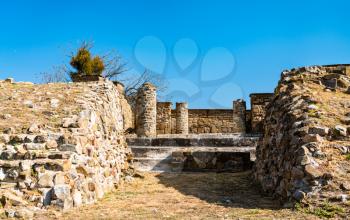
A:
{"x": 203, "y": 152}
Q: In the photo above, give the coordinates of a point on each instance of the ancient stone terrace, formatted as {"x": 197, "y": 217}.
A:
{"x": 213, "y": 152}
{"x": 184, "y": 139}
{"x": 60, "y": 144}
{"x": 63, "y": 145}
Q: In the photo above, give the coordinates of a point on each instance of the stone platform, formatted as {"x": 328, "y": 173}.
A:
{"x": 203, "y": 152}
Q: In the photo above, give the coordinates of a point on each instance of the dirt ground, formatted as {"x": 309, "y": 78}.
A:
{"x": 185, "y": 196}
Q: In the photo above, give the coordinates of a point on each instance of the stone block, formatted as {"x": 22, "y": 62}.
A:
{"x": 323, "y": 131}
{"x": 46, "y": 180}
{"x": 70, "y": 147}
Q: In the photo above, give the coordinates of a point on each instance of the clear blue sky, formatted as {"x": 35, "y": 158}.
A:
{"x": 226, "y": 49}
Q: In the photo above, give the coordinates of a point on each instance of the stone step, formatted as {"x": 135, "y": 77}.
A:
{"x": 163, "y": 152}
{"x": 194, "y": 142}
{"x": 214, "y": 161}
{"x": 193, "y": 153}
{"x": 152, "y": 152}
{"x": 154, "y": 164}
{"x": 193, "y": 160}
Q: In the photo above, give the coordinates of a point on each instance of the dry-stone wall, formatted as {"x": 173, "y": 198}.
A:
{"x": 60, "y": 145}
{"x": 212, "y": 121}
{"x": 258, "y": 102}
{"x": 152, "y": 117}
{"x": 304, "y": 154}
{"x": 146, "y": 111}
{"x": 164, "y": 117}
{"x": 128, "y": 115}
{"x": 248, "y": 121}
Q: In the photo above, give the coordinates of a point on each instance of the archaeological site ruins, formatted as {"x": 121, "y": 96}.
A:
{"x": 67, "y": 144}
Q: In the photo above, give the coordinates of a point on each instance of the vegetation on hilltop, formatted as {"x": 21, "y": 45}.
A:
{"x": 85, "y": 64}
{"x": 111, "y": 66}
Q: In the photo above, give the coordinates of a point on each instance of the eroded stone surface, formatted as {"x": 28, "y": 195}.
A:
{"x": 62, "y": 146}
{"x": 302, "y": 154}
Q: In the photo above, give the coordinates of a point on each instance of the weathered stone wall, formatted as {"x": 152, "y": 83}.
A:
{"x": 258, "y": 102}
{"x": 306, "y": 139}
{"x": 248, "y": 121}
{"x": 210, "y": 121}
{"x": 164, "y": 117}
{"x": 60, "y": 144}
{"x": 236, "y": 120}
{"x": 128, "y": 115}
{"x": 146, "y": 111}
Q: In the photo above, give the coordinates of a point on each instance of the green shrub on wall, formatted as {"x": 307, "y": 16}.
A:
{"x": 85, "y": 64}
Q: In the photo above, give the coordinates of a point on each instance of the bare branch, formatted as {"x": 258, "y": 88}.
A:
{"x": 59, "y": 74}
{"x": 115, "y": 68}
{"x": 114, "y": 65}
{"x": 134, "y": 83}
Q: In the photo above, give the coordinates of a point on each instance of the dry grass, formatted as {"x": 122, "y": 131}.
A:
{"x": 186, "y": 196}
{"x": 333, "y": 105}
{"x": 14, "y": 96}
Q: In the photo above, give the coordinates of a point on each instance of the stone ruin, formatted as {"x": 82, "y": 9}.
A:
{"x": 299, "y": 138}
{"x": 63, "y": 145}
{"x": 184, "y": 139}
{"x": 154, "y": 118}
{"x": 304, "y": 154}
{"x": 146, "y": 111}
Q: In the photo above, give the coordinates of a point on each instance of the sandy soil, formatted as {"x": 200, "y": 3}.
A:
{"x": 185, "y": 196}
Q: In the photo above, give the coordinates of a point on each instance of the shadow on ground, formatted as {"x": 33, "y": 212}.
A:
{"x": 226, "y": 189}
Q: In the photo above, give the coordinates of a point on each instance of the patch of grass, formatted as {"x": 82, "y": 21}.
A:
{"x": 328, "y": 210}
{"x": 313, "y": 113}
{"x": 325, "y": 210}
{"x": 299, "y": 207}
{"x": 347, "y": 157}
{"x": 3, "y": 215}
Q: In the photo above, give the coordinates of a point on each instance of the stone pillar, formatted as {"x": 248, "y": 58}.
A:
{"x": 239, "y": 109}
{"x": 258, "y": 102}
{"x": 146, "y": 111}
{"x": 181, "y": 118}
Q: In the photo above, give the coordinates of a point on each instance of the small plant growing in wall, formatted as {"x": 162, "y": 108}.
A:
{"x": 85, "y": 65}
{"x": 347, "y": 157}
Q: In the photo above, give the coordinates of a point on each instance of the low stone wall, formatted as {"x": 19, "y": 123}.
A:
{"x": 303, "y": 154}
{"x": 212, "y": 121}
{"x": 164, "y": 117}
{"x": 236, "y": 120}
{"x": 60, "y": 145}
{"x": 156, "y": 118}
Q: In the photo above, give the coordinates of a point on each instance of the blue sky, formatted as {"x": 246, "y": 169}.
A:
{"x": 211, "y": 51}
